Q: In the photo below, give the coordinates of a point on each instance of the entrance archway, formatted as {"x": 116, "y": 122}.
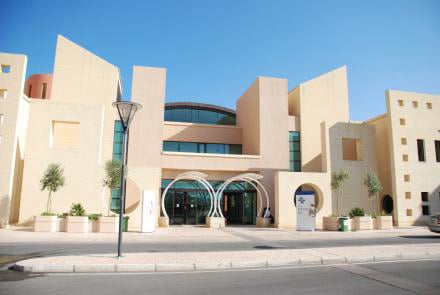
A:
{"x": 387, "y": 204}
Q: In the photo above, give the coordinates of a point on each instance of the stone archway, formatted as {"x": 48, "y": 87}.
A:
{"x": 319, "y": 199}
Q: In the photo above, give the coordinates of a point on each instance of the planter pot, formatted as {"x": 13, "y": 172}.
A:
{"x": 383, "y": 222}
{"x": 164, "y": 221}
{"x": 362, "y": 223}
{"x": 77, "y": 224}
{"x": 263, "y": 222}
{"x": 61, "y": 224}
{"x": 108, "y": 224}
{"x": 215, "y": 222}
{"x": 45, "y": 224}
{"x": 330, "y": 223}
{"x": 93, "y": 226}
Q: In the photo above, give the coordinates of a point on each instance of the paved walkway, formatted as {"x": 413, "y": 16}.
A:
{"x": 214, "y": 260}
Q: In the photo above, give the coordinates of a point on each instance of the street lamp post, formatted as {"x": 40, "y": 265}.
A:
{"x": 126, "y": 111}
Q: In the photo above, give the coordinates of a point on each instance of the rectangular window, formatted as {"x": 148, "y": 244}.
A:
{"x": 6, "y": 69}
{"x": 351, "y": 149}
{"x": 3, "y": 93}
{"x": 405, "y": 157}
{"x": 118, "y": 138}
{"x": 421, "y": 150}
{"x": 415, "y": 104}
{"x": 406, "y": 178}
{"x": 188, "y": 147}
{"x": 425, "y": 210}
{"x": 43, "y": 92}
{"x": 424, "y": 196}
{"x": 403, "y": 141}
{"x": 408, "y": 195}
{"x": 429, "y": 105}
{"x": 408, "y": 212}
{"x": 65, "y": 134}
{"x": 402, "y": 121}
{"x": 437, "y": 150}
{"x": 200, "y": 147}
{"x": 294, "y": 151}
{"x": 400, "y": 102}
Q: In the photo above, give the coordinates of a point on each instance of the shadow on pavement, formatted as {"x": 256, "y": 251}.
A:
{"x": 421, "y": 237}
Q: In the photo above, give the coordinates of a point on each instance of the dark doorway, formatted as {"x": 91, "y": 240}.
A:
{"x": 387, "y": 204}
{"x": 239, "y": 208}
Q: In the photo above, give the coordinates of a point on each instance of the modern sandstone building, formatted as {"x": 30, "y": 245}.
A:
{"x": 292, "y": 139}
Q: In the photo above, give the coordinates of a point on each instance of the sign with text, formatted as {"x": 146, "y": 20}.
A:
{"x": 148, "y": 211}
{"x": 305, "y": 211}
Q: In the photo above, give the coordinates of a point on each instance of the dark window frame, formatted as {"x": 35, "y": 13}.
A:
{"x": 421, "y": 150}
{"x": 424, "y": 196}
{"x": 437, "y": 150}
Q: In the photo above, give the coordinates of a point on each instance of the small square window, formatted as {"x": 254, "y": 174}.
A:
{"x": 402, "y": 121}
{"x": 429, "y": 105}
{"x": 406, "y": 177}
{"x": 415, "y": 104}
{"x": 3, "y": 93}
{"x": 6, "y": 69}
{"x": 424, "y": 196}
{"x": 351, "y": 149}
{"x": 425, "y": 210}
{"x": 405, "y": 157}
{"x": 400, "y": 102}
{"x": 403, "y": 141}
{"x": 408, "y": 212}
{"x": 408, "y": 195}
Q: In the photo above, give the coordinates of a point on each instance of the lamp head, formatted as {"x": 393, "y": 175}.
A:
{"x": 126, "y": 111}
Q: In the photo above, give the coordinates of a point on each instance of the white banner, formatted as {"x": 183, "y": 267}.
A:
{"x": 148, "y": 211}
{"x": 305, "y": 211}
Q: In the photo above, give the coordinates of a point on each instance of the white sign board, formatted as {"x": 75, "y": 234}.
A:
{"x": 148, "y": 211}
{"x": 305, "y": 211}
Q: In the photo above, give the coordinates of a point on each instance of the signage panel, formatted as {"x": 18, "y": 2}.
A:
{"x": 305, "y": 211}
{"x": 148, "y": 211}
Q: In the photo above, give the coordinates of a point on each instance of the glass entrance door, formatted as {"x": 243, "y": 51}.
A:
{"x": 239, "y": 208}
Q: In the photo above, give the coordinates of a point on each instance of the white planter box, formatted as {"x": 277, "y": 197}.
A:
{"x": 45, "y": 224}
{"x": 383, "y": 222}
{"x": 93, "y": 226}
{"x": 263, "y": 222}
{"x": 215, "y": 222}
{"x": 330, "y": 223}
{"x": 61, "y": 224}
{"x": 164, "y": 221}
{"x": 108, "y": 224}
{"x": 77, "y": 224}
{"x": 362, "y": 223}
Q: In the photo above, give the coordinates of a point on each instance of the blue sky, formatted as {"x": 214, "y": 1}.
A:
{"x": 214, "y": 50}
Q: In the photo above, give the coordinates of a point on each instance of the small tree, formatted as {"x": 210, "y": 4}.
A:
{"x": 52, "y": 180}
{"x": 338, "y": 181}
{"x": 112, "y": 178}
{"x": 374, "y": 186}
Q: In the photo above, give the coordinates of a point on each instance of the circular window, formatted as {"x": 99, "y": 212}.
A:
{"x": 387, "y": 204}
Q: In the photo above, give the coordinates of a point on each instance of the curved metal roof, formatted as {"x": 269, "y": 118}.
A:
{"x": 204, "y": 106}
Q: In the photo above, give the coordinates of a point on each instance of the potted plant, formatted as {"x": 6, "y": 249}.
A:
{"x": 337, "y": 183}
{"x": 77, "y": 220}
{"x": 331, "y": 222}
{"x": 382, "y": 221}
{"x": 112, "y": 180}
{"x": 360, "y": 220}
{"x": 93, "y": 222}
{"x": 52, "y": 180}
{"x": 374, "y": 186}
{"x": 62, "y": 222}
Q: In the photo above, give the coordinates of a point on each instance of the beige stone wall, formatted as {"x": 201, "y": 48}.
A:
{"x": 420, "y": 123}
{"x": 13, "y": 110}
{"x": 189, "y": 132}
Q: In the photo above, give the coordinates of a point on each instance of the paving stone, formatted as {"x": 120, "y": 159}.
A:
{"x": 279, "y": 263}
{"x": 95, "y": 268}
{"x": 174, "y": 266}
{"x": 248, "y": 264}
{"x": 53, "y": 268}
{"x": 359, "y": 259}
{"x": 333, "y": 260}
{"x": 311, "y": 260}
{"x": 135, "y": 267}
{"x": 212, "y": 265}
{"x": 387, "y": 257}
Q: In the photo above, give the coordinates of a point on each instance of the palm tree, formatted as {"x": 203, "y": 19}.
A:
{"x": 51, "y": 181}
{"x": 112, "y": 179}
{"x": 374, "y": 186}
{"x": 338, "y": 181}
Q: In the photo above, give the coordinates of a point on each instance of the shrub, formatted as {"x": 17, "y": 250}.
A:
{"x": 52, "y": 180}
{"x": 337, "y": 183}
{"x": 356, "y": 212}
{"x": 63, "y": 215}
{"x": 94, "y": 216}
{"x": 48, "y": 214}
{"x": 77, "y": 210}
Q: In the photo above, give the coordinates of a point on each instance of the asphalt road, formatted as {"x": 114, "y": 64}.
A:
{"x": 415, "y": 277}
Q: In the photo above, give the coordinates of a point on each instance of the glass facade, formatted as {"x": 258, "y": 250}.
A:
{"x": 118, "y": 137}
{"x": 188, "y": 202}
{"x": 295, "y": 151}
{"x": 199, "y": 147}
{"x": 198, "y": 115}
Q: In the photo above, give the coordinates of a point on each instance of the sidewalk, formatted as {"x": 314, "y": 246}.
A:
{"x": 197, "y": 261}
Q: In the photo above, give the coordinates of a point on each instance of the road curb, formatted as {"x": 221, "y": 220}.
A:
{"x": 25, "y": 266}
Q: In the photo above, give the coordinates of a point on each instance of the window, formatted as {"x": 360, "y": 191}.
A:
{"x": 43, "y": 92}
{"x": 403, "y": 141}
{"x": 2, "y": 117}
{"x": 3, "y": 93}
{"x": 408, "y": 195}
{"x": 408, "y": 212}
{"x": 6, "y": 69}
{"x": 437, "y": 150}
{"x": 118, "y": 138}
{"x": 65, "y": 134}
{"x": 406, "y": 178}
{"x": 30, "y": 91}
{"x": 193, "y": 114}
{"x": 421, "y": 150}
{"x": 429, "y": 105}
{"x": 200, "y": 147}
{"x": 294, "y": 151}
{"x": 351, "y": 149}
{"x": 405, "y": 157}
{"x": 400, "y": 102}
{"x": 425, "y": 210}
{"x": 402, "y": 121}
{"x": 415, "y": 104}
{"x": 424, "y": 196}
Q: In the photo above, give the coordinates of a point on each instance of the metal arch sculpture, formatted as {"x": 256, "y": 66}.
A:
{"x": 193, "y": 175}
{"x": 246, "y": 177}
